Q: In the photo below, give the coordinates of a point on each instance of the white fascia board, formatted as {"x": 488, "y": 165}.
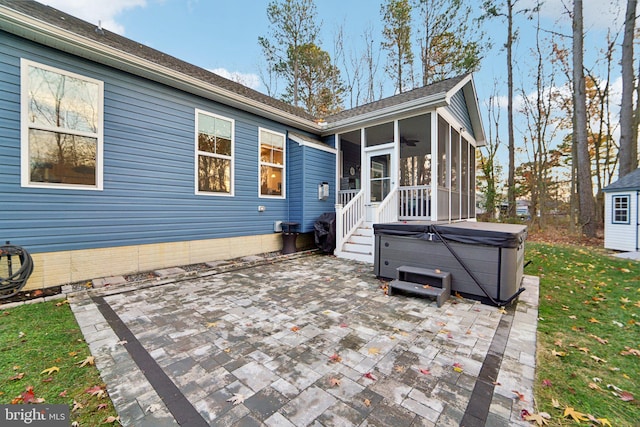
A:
{"x": 57, "y": 38}
{"x": 305, "y": 142}
{"x": 385, "y": 114}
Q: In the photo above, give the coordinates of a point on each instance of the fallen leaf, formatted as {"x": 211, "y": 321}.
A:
{"x": 76, "y": 405}
{"x": 335, "y": 358}
{"x": 96, "y": 390}
{"x": 594, "y": 320}
{"x": 626, "y": 396}
{"x": 600, "y": 340}
{"x": 628, "y": 350}
{"x": 597, "y": 359}
{"x": 343, "y": 325}
{"x": 555, "y": 403}
{"x": 153, "y": 407}
{"x": 47, "y": 380}
{"x": 111, "y": 419}
{"x": 212, "y": 324}
{"x": 61, "y": 303}
{"x": 102, "y": 406}
{"x": 575, "y": 415}
{"x": 90, "y": 360}
{"x": 334, "y": 382}
{"x": 50, "y": 370}
{"x": 594, "y": 386}
{"x": 63, "y": 393}
{"x": 399, "y": 369}
{"x": 367, "y": 403}
{"x": 584, "y": 350}
{"x": 625, "y": 300}
{"x": 615, "y": 322}
{"x": 502, "y": 310}
{"x": 425, "y": 371}
{"x": 370, "y": 376}
{"x": 236, "y": 399}
{"x": 539, "y": 419}
{"x": 427, "y": 286}
{"x": 374, "y": 351}
{"x": 17, "y": 377}
{"x": 520, "y": 395}
{"x": 546, "y": 383}
{"x": 122, "y": 342}
{"x": 558, "y": 353}
{"x": 295, "y": 328}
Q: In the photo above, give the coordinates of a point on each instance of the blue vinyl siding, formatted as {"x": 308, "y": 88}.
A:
{"x": 459, "y": 110}
{"x": 149, "y": 161}
{"x": 308, "y": 167}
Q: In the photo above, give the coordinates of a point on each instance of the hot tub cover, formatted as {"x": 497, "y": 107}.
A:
{"x": 482, "y": 233}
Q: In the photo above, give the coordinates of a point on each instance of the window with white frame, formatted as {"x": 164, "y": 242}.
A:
{"x": 214, "y": 154}
{"x": 621, "y": 206}
{"x": 61, "y": 128}
{"x": 272, "y": 155}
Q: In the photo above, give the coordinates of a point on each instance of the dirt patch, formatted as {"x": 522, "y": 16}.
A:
{"x": 32, "y": 294}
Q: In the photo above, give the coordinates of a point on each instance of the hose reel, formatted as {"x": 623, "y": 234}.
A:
{"x": 16, "y": 276}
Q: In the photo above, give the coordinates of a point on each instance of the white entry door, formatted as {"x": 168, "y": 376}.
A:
{"x": 380, "y": 179}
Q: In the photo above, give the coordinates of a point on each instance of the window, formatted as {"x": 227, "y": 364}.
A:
{"x": 271, "y": 164}
{"x": 621, "y": 209}
{"x": 214, "y": 154}
{"x": 61, "y": 128}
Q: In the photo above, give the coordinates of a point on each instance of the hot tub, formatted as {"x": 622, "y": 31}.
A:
{"x": 486, "y": 260}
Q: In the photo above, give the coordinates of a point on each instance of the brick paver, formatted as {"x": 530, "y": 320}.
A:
{"x": 310, "y": 340}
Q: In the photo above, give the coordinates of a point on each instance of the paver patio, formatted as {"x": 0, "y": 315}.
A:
{"x": 307, "y": 340}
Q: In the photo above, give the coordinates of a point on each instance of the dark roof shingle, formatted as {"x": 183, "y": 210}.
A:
{"x": 631, "y": 181}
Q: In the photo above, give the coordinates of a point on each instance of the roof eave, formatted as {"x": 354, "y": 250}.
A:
{"x": 384, "y": 114}
{"x": 58, "y": 38}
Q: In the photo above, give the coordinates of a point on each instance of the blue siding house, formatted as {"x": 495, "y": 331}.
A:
{"x": 116, "y": 158}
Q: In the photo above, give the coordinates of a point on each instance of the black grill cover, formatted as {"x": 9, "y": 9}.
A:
{"x": 325, "y": 232}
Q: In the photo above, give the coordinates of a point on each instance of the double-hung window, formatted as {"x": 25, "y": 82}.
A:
{"x": 621, "y": 208}
{"x": 214, "y": 154}
{"x": 272, "y": 164}
{"x": 61, "y": 128}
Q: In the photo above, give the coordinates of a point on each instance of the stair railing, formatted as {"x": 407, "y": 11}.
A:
{"x": 348, "y": 218}
{"x": 387, "y": 210}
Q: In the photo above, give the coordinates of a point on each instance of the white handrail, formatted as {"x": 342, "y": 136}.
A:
{"x": 348, "y": 218}
{"x": 387, "y": 210}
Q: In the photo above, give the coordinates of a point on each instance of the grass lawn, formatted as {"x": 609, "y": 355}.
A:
{"x": 43, "y": 350}
{"x": 588, "y": 355}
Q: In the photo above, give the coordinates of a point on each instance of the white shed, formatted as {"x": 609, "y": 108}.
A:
{"x": 622, "y": 213}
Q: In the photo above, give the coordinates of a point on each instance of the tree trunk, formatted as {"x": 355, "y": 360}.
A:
{"x": 586, "y": 215}
{"x": 511, "y": 182}
{"x": 628, "y": 161}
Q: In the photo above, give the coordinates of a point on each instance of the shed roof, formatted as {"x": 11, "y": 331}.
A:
{"x": 631, "y": 181}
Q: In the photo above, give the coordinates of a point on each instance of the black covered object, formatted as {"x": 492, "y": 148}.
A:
{"x": 480, "y": 233}
{"x": 325, "y": 232}
{"x": 486, "y": 260}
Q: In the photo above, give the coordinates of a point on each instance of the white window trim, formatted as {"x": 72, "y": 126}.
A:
{"x": 283, "y": 166}
{"x": 25, "y": 171}
{"x": 220, "y": 156}
{"x": 615, "y": 210}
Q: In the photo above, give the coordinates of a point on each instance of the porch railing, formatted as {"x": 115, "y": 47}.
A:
{"x": 345, "y": 196}
{"x": 348, "y": 218}
{"x": 414, "y": 202}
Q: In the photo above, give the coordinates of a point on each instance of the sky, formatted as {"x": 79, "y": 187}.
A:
{"x": 222, "y": 35}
